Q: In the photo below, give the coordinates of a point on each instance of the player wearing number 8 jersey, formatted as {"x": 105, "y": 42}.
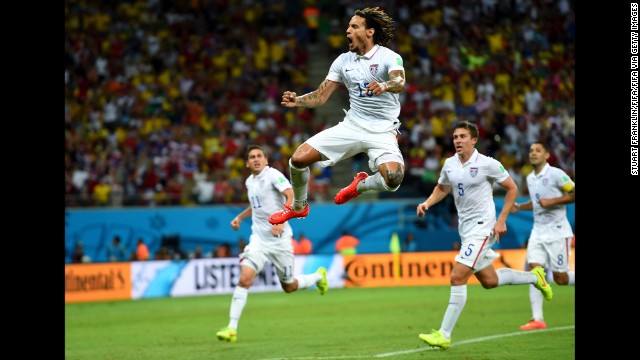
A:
{"x": 469, "y": 175}
{"x": 549, "y": 245}
{"x": 268, "y": 190}
{"x": 374, "y": 76}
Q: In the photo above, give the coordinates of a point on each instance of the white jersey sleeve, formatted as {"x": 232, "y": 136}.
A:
{"x": 496, "y": 171}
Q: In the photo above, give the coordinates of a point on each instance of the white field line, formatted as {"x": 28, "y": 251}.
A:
{"x": 426, "y": 348}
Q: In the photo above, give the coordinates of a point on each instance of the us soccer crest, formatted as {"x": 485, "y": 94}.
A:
{"x": 473, "y": 171}
{"x": 545, "y": 181}
{"x": 261, "y": 183}
{"x": 373, "y": 68}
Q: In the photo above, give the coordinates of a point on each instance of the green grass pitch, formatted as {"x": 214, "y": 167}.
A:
{"x": 343, "y": 324}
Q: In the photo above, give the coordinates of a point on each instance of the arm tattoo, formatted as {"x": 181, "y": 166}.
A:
{"x": 314, "y": 98}
{"x": 396, "y": 84}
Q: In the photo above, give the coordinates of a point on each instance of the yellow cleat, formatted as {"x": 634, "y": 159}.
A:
{"x": 322, "y": 284}
{"x": 436, "y": 339}
{"x": 542, "y": 284}
{"x": 227, "y": 334}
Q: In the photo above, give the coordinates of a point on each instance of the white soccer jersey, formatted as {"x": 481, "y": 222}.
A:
{"x": 471, "y": 187}
{"x": 550, "y": 222}
{"x": 265, "y": 195}
{"x": 375, "y": 113}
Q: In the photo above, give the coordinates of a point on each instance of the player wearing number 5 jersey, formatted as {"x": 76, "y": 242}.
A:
{"x": 468, "y": 175}
{"x": 549, "y": 244}
{"x": 374, "y": 76}
{"x": 268, "y": 190}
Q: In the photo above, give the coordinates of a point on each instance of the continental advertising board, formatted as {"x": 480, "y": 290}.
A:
{"x": 415, "y": 269}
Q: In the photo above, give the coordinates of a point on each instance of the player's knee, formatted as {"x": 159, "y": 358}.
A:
{"x": 289, "y": 288}
{"x": 394, "y": 184}
{"x": 489, "y": 284}
{"x": 394, "y": 180}
{"x": 561, "y": 279}
{"x": 245, "y": 282}
{"x": 297, "y": 161}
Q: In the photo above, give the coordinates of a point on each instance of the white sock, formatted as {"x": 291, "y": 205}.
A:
{"x": 457, "y": 299}
{"x": 508, "y": 276}
{"x": 535, "y": 296}
{"x": 238, "y": 301}
{"x": 299, "y": 181}
{"x": 375, "y": 182}
{"x": 572, "y": 278}
{"x": 304, "y": 281}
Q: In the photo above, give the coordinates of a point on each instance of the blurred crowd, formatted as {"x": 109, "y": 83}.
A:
{"x": 161, "y": 97}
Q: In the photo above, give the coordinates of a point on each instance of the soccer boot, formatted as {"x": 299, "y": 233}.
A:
{"x": 542, "y": 284}
{"x": 534, "y": 325}
{"x": 322, "y": 284}
{"x": 227, "y": 334}
{"x": 350, "y": 192}
{"x": 288, "y": 213}
{"x": 435, "y": 339}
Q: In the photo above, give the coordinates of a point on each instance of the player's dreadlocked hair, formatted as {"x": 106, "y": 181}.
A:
{"x": 380, "y": 22}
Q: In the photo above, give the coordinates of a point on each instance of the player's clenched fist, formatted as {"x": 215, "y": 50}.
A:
{"x": 288, "y": 99}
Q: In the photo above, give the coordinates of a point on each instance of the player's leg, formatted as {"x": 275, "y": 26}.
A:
{"x": 253, "y": 260}
{"x": 385, "y": 159}
{"x": 560, "y": 251}
{"x": 326, "y": 147}
{"x": 537, "y": 256}
{"x": 281, "y": 255}
{"x": 457, "y": 299}
{"x": 304, "y": 156}
{"x": 469, "y": 255}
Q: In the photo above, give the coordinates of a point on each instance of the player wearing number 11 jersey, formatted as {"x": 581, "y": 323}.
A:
{"x": 268, "y": 190}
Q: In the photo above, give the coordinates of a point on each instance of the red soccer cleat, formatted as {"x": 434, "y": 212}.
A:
{"x": 533, "y": 325}
{"x": 287, "y": 214}
{"x": 350, "y": 191}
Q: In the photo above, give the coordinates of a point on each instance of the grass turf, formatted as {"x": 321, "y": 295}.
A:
{"x": 343, "y": 324}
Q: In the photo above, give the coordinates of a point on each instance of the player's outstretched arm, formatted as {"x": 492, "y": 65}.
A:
{"x": 312, "y": 99}
{"x": 439, "y": 192}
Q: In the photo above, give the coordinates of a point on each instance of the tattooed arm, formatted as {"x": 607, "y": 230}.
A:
{"x": 394, "y": 85}
{"x": 312, "y": 99}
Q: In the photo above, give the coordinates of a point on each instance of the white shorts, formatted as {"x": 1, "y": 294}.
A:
{"x": 346, "y": 139}
{"x": 476, "y": 253}
{"x": 553, "y": 253}
{"x": 257, "y": 252}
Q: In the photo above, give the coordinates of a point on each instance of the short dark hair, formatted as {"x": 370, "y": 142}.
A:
{"x": 377, "y": 19}
{"x": 544, "y": 146}
{"x": 473, "y": 129}
{"x": 253, "y": 147}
